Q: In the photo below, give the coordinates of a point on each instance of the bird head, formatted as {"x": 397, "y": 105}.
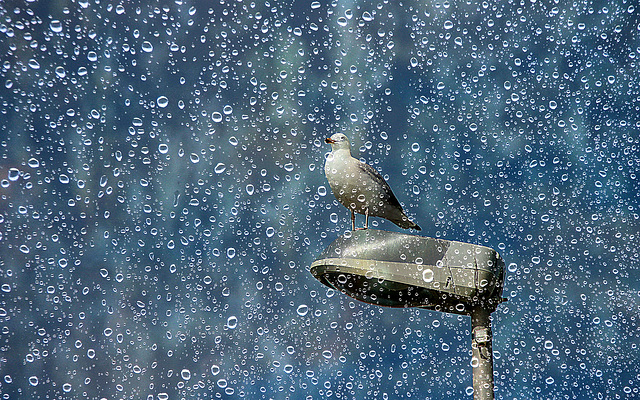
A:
{"x": 338, "y": 141}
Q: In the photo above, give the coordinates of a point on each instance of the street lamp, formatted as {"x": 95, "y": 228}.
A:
{"x": 399, "y": 270}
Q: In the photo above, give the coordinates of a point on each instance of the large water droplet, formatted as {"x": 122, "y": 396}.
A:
{"x": 302, "y": 310}
{"x": 162, "y": 101}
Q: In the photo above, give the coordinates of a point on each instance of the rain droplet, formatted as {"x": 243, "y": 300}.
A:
{"x": 147, "y": 47}
{"x": 427, "y": 275}
{"x": 231, "y": 252}
{"x": 185, "y": 374}
{"x": 162, "y": 101}
{"x": 60, "y": 72}
{"x": 232, "y": 322}
{"x": 55, "y": 26}
{"x": 448, "y": 24}
{"x": 219, "y": 168}
{"x": 194, "y": 158}
{"x": 302, "y": 310}
{"x": 13, "y": 174}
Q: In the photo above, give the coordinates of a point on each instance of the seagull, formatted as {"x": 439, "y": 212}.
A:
{"x": 360, "y": 188}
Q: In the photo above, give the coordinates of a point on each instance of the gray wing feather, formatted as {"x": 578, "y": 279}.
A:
{"x": 375, "y": 175}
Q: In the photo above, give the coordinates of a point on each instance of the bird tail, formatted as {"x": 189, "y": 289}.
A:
{"x": 406, "y": 223}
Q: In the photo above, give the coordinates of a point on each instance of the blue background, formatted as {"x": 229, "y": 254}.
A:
{"x": 162, "y": 194}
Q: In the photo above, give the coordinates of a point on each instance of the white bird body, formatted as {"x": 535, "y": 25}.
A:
{"x": 359, "y": 187}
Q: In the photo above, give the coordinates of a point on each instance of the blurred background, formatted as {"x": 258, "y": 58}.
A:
{"x": 162, "y": 194}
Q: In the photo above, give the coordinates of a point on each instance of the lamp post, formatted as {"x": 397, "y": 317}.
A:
{"x": 399, "y": 270}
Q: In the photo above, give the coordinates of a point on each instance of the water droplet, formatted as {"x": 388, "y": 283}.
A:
{"x": 162, "y": 101}
{"x": 13, "y": 174}
{"x": 185, "y": 374}
{"x": 427, "y": 275}
{"x": 327, "y": 354}
{"x": 33, "y": 380}
{"x": 448, "y": 24}
{"x": 302, "y": 310}
{"x": 194, "y": 158}
{"x": 315, "y": 5}
{"x": 342, "y": 21}
{"x": 147, "y": 47}
{"x": 232, "y": 322}
{"x": 220, "y": 168}
{"x": 163, "y": 148}
{"x": 231, "y": 252}
{"x": 55, "y": 26}
{"x": 250, "y": 189}
{"x": 215, "y": 370}
{"x": 60, "y": 72}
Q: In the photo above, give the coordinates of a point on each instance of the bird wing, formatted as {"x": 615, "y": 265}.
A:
{"x": 379, "y": 180}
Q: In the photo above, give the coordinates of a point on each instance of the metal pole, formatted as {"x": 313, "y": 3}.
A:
{"x": 482, "y": 356}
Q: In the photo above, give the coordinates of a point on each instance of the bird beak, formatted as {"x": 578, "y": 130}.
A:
{"x": 329, "y": 140}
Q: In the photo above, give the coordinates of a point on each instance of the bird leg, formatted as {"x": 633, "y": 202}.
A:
{"x": 353, "y": 220}
{"x": 366, "y": 221}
